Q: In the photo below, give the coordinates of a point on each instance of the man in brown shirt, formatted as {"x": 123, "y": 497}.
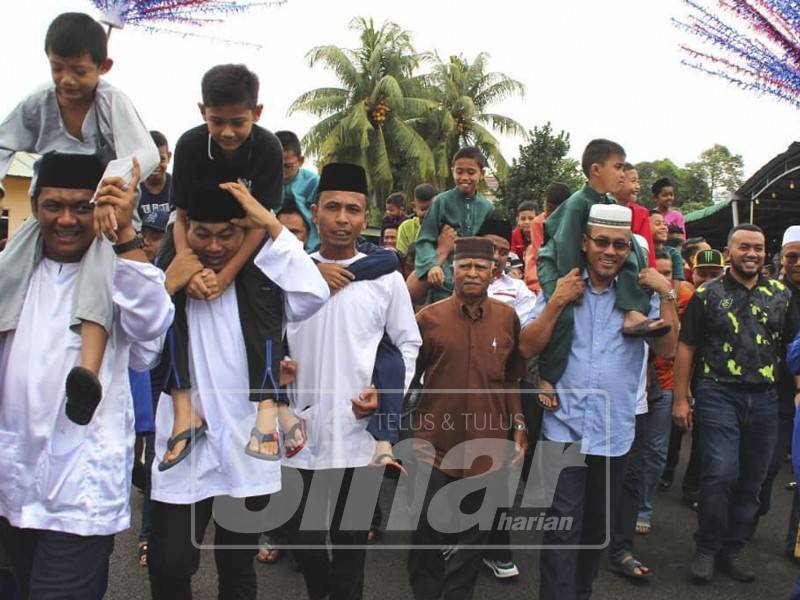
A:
{"x": 469, "y": 402}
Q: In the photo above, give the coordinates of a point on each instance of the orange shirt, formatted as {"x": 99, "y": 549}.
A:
{"x": 664, "y": 365}
{"x": 537, "y": 238}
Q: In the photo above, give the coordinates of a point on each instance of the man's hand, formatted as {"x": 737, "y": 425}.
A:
{"x": 569, "y": 288}
{"x": 436, "y": 277}
{"x": 183, "y": 267}
{"x": 256, "y": 216}
{"x": 652, "y": 279}
{"x": 682, "y": 414}
{"x": 217, "y": 283}
{"x": 336, "y": 276}
{"x": 445, "y": 243}
{"x": 366, "y": 403}
{"x": 203, "y": 285}
{"x": 115, "y": 202}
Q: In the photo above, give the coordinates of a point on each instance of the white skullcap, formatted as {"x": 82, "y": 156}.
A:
{"x": 791, "y": 235}
{"x": 642, "y": 242}
{"x": 610, "y": 215}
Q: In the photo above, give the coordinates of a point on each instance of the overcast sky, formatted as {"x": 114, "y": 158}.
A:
{"x": 596, "y": 69}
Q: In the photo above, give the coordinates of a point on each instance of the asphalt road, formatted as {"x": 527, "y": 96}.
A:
{"x": 667, "y": 550}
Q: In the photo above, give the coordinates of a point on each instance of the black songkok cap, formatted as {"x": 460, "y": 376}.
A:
{"x": 498, "y": 227}
{"x": 343, "y": 177}
{"x": 474, "y": 247}
{"x": 68, "y": 171}
{"x": 209, "y": 203}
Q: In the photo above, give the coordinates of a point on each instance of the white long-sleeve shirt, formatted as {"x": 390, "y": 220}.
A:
{"x": 218, "y": 464}
{"x": 54, "y": 474}
{"x": 515, "y": 293}
{"x": 112, "y": 129}
{"x": 335, "y": 352}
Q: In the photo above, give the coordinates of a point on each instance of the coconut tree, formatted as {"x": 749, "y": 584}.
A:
{"x": 368, "y": 119}
{"x": 464, "y": 92}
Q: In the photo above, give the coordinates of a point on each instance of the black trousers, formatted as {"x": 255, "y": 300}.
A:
{"x": 173, "y": 555}
{"x": 625, "y": 507}
{"x": 341, "y": 575}
{"x": 260, "y": 304}
{"x": 52, "y": 565}
{"x": 433, "y": 574}
{"x": 568, "y": 574}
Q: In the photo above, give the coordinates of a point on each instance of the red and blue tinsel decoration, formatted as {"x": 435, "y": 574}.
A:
{"x": 763, "y": 57}
{"x": 173, "y": 16}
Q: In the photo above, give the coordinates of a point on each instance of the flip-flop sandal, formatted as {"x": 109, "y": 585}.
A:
{"x": 289, "y": 435}
{"x": 394, "y": 467}
{"x": 646, "y": 330}
{"x": 142, "y": 555}
{"x": 261, "y": 438}
{"x": 84, "y": 392}
{"x": 549, "y": 408}
{"x": 627, "y": 568}
{"x": 192, "y": 436}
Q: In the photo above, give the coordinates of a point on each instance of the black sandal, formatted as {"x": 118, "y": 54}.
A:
{"x": 546, "y": 407}
{"x": 394, "y": 467}
{"x": 645, "y": 329}
{"x": 84, "y": 393}
{"x": 192, "y": 436}
{"x": 627, "y": 568}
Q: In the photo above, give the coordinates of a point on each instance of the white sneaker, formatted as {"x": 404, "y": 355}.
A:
{"x": 500, "y": 569}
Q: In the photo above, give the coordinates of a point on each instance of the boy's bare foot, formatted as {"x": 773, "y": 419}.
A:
{"x": 293, "y": 429}
{"x": 265, "y": 425}
{"x": 383, "y": 456}
{"x": 547, "y": 398}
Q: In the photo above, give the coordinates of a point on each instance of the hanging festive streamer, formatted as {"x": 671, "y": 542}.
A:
{"x": 763, "y": 56}
{"x": 174, "y": 16}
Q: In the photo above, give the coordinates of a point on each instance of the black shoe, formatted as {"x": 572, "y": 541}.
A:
{"x": 736, "y": 568}
{"x": 702, "y": 567}
{"x": 83, "y": 395}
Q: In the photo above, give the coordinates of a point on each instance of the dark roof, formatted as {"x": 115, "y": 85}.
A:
{"x": 773, "y": 191}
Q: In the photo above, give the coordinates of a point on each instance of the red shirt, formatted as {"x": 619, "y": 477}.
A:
{"x": 640, "y": 223}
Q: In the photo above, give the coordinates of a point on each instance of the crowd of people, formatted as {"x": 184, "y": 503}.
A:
{"x": 225, "y": 337}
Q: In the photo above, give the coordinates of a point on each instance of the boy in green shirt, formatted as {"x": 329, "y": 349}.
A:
{"x": 463, "y": 209}
{"x": 409, "y": 229}
{"x": 602, "y": 163}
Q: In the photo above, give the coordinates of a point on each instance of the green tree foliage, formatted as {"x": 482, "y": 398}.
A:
{"x": 463, "y": 92}
{"x": 401, "y": 126}
{"x": 698, "y": 184}
{"x": 721, "y": 170}
{"x": 541, "y": 161}
{"x": 691, "y": 191}
{"x": 369, "y": 119}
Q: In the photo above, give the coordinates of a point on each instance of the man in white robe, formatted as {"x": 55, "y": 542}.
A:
{"x": 65, "y": 488}
{"x": 335, "y": 352}
{"x": 186, "y": 496}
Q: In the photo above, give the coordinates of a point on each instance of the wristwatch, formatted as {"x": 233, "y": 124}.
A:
{"x": 520, "y": 427}
{"x": 670, "y": 295}
{"x": 137, "y": 243}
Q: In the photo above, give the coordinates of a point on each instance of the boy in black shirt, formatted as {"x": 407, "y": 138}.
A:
{"x": 228, "y": 147}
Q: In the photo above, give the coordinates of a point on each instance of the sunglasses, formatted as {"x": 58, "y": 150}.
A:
{"x": 603, "y": 243}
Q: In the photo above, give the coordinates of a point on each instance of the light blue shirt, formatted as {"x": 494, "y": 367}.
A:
{"x": 303, "y": 190}
{"x": 604, "y": 370}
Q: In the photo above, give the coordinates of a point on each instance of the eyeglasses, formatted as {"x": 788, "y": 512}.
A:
{"x": 791, "y": 258}
{"x": 603, "y": 243}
